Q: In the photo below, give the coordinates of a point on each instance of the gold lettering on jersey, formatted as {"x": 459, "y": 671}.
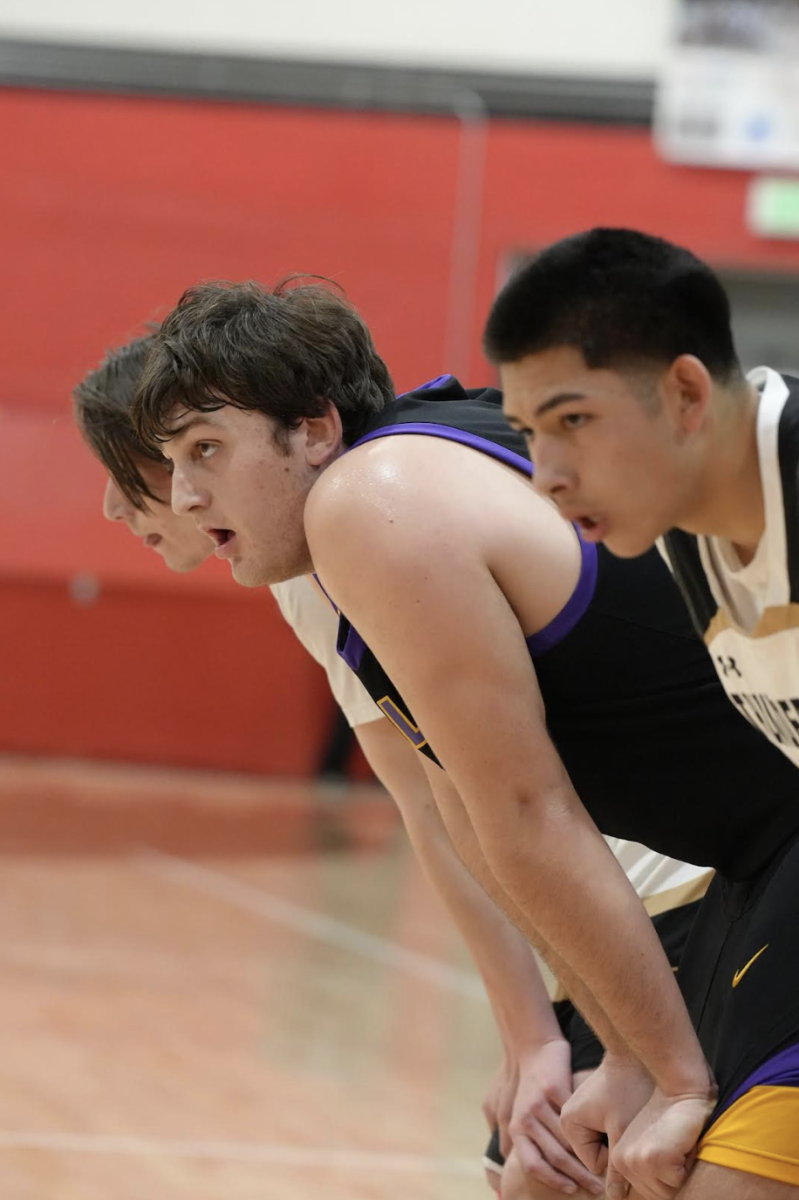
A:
{"x": 774, "y": 620}
{"x": 402, "y": 722}
{"x": 738, "y": 976}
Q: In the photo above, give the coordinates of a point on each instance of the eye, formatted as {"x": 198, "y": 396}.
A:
{"x": 570, "y": 421}
{"x": 205, "y": 449}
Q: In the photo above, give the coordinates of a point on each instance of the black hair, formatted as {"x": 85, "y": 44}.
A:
{"x": 620, "y": 297}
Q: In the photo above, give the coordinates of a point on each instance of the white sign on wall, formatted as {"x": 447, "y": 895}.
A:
{"x": 729, "y": 92}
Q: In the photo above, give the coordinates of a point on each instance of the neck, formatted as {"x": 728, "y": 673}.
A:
{"x": 730, "y": 502}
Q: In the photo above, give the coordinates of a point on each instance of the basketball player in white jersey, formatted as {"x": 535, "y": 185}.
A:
{"x": 618, "y": 365}
{"x": 617, "y": 362}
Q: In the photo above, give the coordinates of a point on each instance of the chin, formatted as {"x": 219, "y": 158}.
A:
{"x": 628, "y": 545}
{"x": 247, "y": 575}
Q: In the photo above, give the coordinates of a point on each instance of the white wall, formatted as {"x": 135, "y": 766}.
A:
{"x": 625, "y": 38}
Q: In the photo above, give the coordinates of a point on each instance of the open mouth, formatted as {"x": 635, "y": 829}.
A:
{"x": 152, "y": 540}
{"x": 220, "y": 536}
{"x": 592, "y": 529}
{"x": 224, "y": 539}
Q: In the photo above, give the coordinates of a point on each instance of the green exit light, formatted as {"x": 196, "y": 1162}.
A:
{"x": 773, "y": 207}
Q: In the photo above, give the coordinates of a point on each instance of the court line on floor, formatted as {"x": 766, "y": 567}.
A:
{"x": 239, "y": 1152}
{"x": 306, "y": 921}
{"x": 172, "y": 966}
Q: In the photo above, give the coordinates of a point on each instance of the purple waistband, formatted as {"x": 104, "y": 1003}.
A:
{"x": 781, "y": 1070}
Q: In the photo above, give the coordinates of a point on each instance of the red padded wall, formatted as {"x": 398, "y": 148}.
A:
{"x": 111, "y": 206}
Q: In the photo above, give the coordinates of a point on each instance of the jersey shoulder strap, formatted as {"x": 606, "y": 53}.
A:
{"x": 444, "y": 408}
{"x": 788, "y": 443}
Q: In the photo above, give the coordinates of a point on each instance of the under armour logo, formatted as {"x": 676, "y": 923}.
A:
{"x": 728, "y": 666}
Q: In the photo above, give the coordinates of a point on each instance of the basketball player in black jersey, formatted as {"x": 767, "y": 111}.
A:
{"x": 530, "y": 669}
{"x": 545, "y": 1046}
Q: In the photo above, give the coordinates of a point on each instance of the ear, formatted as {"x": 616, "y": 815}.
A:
{"x": 323, "y": 437}
{"x": 688, "y": 392}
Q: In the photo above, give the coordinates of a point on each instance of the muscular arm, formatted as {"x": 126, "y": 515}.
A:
{"x": 463, "y": 835}
{"x": 409, "y": 566}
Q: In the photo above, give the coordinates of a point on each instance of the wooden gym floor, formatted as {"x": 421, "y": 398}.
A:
{"x": 228, "y": 988}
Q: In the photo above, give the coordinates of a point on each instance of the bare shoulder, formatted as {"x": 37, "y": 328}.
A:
{"x": 409, "y": 508}
{"x": 394, "y": 482}
{"x": 405, "y": 476}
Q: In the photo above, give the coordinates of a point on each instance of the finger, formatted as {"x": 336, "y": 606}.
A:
{"x": 549, "y": 1117}
{"x": 588, "y": 1146}
{"x": 644, "y": 1186}
{"x": 567, "y": 1163}
{"x": 505, "y": 1139}
{"x": 616, "y": 1186}
{"x": 535, "y": 1166}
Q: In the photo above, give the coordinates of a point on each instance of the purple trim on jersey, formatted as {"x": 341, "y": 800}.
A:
{"x": 353, "y": 649}
{"x": 575, "y": 607}
{"x": 354, "y": 646}
{"x": 389, "y": 709}
{"x": 439, "y": 381}
{"x": 782, "y": 1070}
{"x": 430, "y": 429}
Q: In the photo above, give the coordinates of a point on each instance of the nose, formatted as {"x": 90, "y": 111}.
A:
{"x": 187, "y": 498}
{"x": 550, "y": 477}
{"x": 116, "y": 506}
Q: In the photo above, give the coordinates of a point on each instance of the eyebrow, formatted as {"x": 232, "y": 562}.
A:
{"x": 200, "y": 419}
{"x": 555, "y": 401}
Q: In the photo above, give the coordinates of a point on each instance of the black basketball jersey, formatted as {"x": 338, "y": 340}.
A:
{"x": 655, "y": 750}
{"x": 758, "y": 664}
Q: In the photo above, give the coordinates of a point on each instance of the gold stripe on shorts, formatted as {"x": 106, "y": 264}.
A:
{"x": 759, "y": 1134}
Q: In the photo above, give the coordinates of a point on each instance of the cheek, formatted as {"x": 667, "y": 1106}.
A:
{"x": 178, "y": 528}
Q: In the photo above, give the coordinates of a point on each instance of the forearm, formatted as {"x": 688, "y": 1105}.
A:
{"x": 548, "y": 884}
{"x": 564, "y": 880}
{"x": 462, "y": 832}
{"x": 502, "y": 954}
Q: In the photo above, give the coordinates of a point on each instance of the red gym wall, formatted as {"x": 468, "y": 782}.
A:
{"x": 109, "y": 208}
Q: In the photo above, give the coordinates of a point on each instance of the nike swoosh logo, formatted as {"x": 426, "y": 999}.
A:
{"x": 738, "y": 976}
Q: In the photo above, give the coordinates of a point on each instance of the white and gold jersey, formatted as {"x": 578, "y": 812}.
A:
{"x": 316, "y": 625}
{"x": 748, "y": 615}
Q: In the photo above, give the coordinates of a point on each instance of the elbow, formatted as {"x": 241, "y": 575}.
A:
{"x": 527, "y": 830}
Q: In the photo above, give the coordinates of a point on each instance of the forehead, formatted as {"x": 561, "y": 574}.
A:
{"x": 552, "y": 376}
{"x": 228, "y": 418}
{"x": 544, "y": 369}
